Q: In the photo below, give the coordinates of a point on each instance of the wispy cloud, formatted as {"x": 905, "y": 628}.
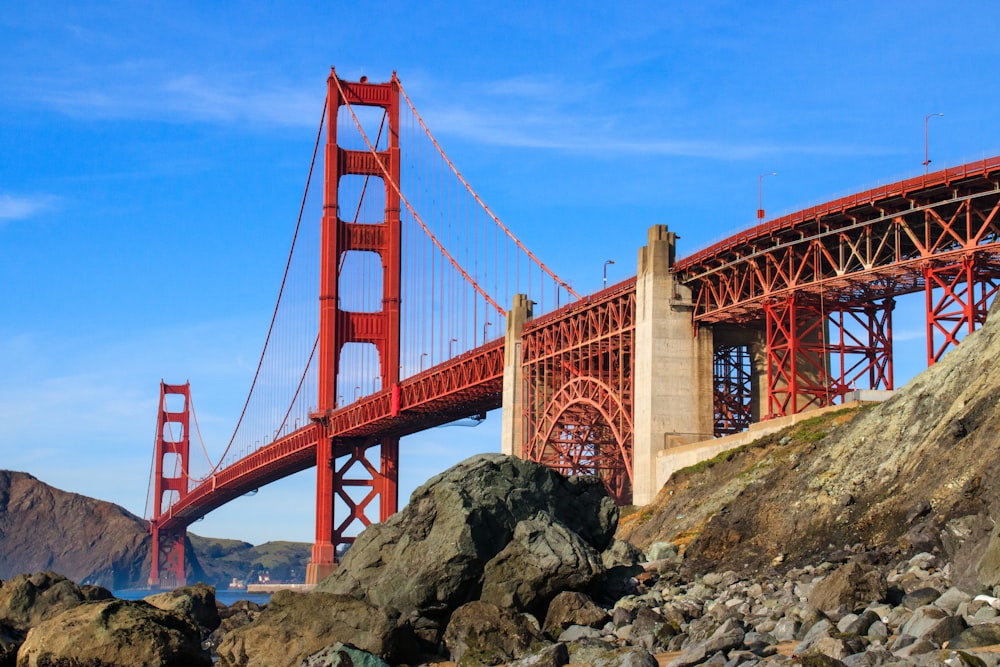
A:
{"x": 141, "y": 91}
{"x": 22, "y": 207}
{"x": 542, "y": 113}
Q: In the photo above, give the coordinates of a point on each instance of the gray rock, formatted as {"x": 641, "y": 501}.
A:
{"x": 28, "y": 599}
{"x": 429, "y": 557}
{"x": 342, "y": 655}
{"x": 661, "y": 551}
{"x": 920, "y": 597}
{"x": 543, "y": 558}
{"x": 484, "y": 634}
{"x": 786, "y": 629}
{"x": 575, "y": 632}
{"x": 984, "y": 634}
{"x": 597, "y": 653}
{"x": 951, "y": 599}
{"x": 196, "y": 602}
{"x": 572, "y": 608}
{"x": 621, "y": 554}
{"x": 878, "y": 632}
{"x": 853, "y": 585}
{"x": 933, "y": 624}
{"x": 726, "y": 637}
{"x": 554, "y": 655}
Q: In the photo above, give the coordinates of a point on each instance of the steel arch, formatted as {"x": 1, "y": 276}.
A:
{"x": 571, "y": 440}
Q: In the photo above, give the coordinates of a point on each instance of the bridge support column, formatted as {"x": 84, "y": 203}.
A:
{"x": 673, "y": 364}
{"x": 170, "y": 482}
{"x": 512, "y": 416}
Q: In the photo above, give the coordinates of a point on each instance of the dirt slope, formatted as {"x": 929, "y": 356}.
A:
{"x": 918, "y": 472}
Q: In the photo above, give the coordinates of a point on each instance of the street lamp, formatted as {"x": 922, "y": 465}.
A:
{"x": 927, "y": 120}
{"x": 451, "y": 344}
{"x": 422, "y": 355}
{"x": 610, "y": 261}
{"x": 760, "y": 194}
{"x": 357, "y": 390}
{"x": 486, "y": 324}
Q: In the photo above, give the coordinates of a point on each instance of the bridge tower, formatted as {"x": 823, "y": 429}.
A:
{"x": 172, "y": 439}
{"x": 339, "y": 460}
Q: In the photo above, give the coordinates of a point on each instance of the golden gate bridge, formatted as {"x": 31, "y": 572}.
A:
{"x": 406, "y": 304}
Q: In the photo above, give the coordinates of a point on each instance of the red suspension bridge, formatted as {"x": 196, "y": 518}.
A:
{"x": 431, "y": 310}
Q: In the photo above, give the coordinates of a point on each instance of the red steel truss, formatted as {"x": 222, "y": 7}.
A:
{"x": 966, "y": 289}
{"x": 577, "y": 374}
{"x": 817, "y": 352}
{"x": 172, "y": 439}
{"x": 467, "y": 385}
{"x": 939, "y": 233}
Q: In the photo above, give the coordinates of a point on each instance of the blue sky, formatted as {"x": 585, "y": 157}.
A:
{"x": 153, "y": 158}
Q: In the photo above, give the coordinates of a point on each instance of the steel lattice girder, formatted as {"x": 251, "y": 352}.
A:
{"x": 733, "y": 390}
{"x": 966, "y": 289}
{"x": 872, "y": 245}
{"x": 800, "y": 347}
{"x": 577, "y": 374}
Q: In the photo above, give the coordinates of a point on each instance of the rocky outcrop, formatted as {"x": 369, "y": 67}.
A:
{"x": 493, "y": 529}
{"x": 114, "y": 633}
{"x": 297, "y": 625}
{"x": 429, "y": 558}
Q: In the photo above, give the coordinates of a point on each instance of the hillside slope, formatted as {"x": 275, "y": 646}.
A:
{"x": 916, "y": 473}
{"x": 97, "y": 542}
{"x": 87, "y": 540}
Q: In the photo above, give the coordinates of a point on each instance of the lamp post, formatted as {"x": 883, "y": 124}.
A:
{"x": 357, "y": 390}
{"x": 485, "y": 325}
{"x": 422, "y": 355}
{"x": 451, "y": 344}
{"x": 760, "y": 194}
{"x": 927, "y": 159}
{"x": 610, "y": 261}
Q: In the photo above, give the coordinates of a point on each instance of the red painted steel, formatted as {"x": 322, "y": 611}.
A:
{"x": 467, "y": 385}
{"x": 789, "y": 273}
{"x": 167, "y": 568}
{"x": 577, "y": 368}
{"x": 339, "y": 327}
{"x": 966, "y": 289}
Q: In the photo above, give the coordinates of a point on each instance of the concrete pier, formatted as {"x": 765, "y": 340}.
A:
{"x": 673, "y": 365}
{"x": 511, "y": 421}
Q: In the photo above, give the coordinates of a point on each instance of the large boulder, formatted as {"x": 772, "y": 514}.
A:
{"x": 852, "y": 585}
{"x": 542, "y": 559}
{"x": 196, "y": 602}
{"x": 28, "y": 599}
{"x": 480, "y": 633}
{"x": 428, "y": 559}
{"x": 572, "y": 608}
{"x": 114, "y": 633}
{"x": 297, "y": 625}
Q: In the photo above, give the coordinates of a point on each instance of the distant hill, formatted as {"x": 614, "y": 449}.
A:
{"x": 97, "y": 542}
